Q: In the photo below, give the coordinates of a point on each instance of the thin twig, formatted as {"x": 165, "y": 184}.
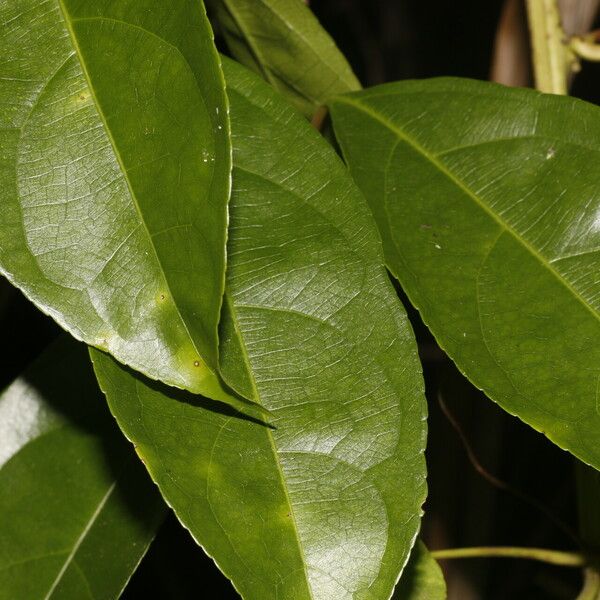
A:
{"x": 499, "y": 483}
{"x": 318, "y": 118}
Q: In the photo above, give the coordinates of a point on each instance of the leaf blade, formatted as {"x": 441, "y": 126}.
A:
{"x": 309, "y": 508}
{"x": 422, "y": 579}
{"x": 484, "y": 203}
{"x": 283, "y": 42}
{"x": 66, "y": 507}
{"x": 116, "y": 179}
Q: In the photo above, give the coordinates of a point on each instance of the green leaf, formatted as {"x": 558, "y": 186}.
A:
{"x": 422, "y": 578}
{"x": 326, "y": 502}
{"x": 77, "y": 510}
{"x": 115, "y": 177}
{"x": 283, "y": 42}
{"x": 487, "y": 201}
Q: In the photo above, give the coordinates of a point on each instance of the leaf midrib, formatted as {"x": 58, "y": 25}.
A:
{"x": 70, "y": 559}
{"x": 308, "y": 44}
{"x": 244, "y": 351}
{"x": 268, "y": 72}
{"x": 68, "y": 23}
{"x": 464, "y": 188}
{"x": 253, "y": 48}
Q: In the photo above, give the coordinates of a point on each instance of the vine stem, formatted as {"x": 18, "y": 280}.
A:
{"x": 499, "y": 483}
{"x": 553, "y": 59}
{"x": 554, "y": 557}
{"x": 586, "y": 47}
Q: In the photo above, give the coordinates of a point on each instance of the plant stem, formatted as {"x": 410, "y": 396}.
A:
{"x": 553, "y": 59}
{"x": 555, "y": 557}
{"x": 499, "y": 483}
{"x": 585, "y": 48}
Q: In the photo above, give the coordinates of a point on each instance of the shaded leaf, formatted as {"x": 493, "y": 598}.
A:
{"x": 115, "y": 177}
{"x": 326, "y": 503}
{"x": 487, "y": 201}
{"x": 77, "y": 510}
{"x": 422, "y": 578}
{"x": 283, "y": 41}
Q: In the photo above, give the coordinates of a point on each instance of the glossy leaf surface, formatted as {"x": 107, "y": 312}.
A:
{"x": 422, "y": 578}
{"x": 488, "y": 202}
{"x": 283, "y": 42}
{"x": 326, "y": 503}
{"x": 115, "y": 177}
{"x": 77, "y": 510}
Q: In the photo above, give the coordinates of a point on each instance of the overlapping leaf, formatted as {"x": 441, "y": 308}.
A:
{"x": 114, "y": 177}
{"x": 488, "y": 202}
{"x": 283, "y": 41}
{"x": 77, "y": 510}
{"x": 422, "y": 579}
{"x": 326, "y": 502}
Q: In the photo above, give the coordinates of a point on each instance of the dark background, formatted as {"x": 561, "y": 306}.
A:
{"x": 387, "y": 40}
